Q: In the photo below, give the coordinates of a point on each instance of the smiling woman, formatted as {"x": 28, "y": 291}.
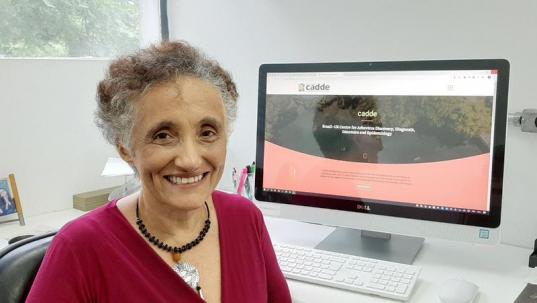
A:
{"x": 168, "y": 110}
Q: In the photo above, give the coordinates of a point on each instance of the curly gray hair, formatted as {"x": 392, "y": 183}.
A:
{"x": 130, "y": 76}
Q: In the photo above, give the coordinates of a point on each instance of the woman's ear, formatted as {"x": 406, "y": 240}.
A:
{"x": 125, "y": 154}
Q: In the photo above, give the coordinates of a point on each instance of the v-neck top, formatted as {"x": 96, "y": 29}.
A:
{"x": 100, "y": 257}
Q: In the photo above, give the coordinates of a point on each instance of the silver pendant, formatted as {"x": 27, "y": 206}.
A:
{"x": 190, "y": 275}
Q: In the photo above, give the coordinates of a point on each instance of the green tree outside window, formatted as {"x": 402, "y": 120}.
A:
{"x": 68, "y": 28}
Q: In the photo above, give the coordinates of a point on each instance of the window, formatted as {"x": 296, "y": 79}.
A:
{"x": 70, "y": 28}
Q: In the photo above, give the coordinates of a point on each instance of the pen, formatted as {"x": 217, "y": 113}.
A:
{"x": 244, "y": 174}
{"x": 234, "y": 178}
{"x": 247, "y": 185}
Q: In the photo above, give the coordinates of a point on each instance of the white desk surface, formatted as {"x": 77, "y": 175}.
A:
{"x": 501, "y": 271}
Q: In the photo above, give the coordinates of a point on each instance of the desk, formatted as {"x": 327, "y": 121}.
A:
{"x": 500, "y": 271}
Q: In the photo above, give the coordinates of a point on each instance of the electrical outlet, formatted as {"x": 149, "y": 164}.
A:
{"x": 528, "y": 121}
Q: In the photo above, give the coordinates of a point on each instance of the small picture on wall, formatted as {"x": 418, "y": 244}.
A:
{"x": 10, "y": 206}
{"x": 7, "y": 203}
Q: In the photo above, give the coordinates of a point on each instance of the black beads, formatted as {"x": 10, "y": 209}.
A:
{"x": 174, "y": 249}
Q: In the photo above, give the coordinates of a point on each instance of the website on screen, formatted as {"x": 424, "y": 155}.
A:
{"x": 399, "y": 136}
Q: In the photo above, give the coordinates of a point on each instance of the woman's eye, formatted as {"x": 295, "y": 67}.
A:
{"x": 208, "y": 133}
{"x": 162, "y": 136}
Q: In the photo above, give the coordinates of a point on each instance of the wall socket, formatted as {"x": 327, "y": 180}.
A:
{"x": 529, "y": 120}
{"x": 526, "y": 120}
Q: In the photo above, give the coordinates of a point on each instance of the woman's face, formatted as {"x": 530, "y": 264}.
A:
{"x": 179, "y": 142}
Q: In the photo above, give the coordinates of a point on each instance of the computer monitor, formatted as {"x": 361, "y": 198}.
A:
{"x": 384, "y": 146}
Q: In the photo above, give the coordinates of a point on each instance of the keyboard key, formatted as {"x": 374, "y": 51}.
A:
{"x": 325, "y": 276}
{"x": 358, "y": 283}
{"x": 401, "y": 289}
{"x": 329, "y": 272}
{"x": 376, "y": 286}
{"x": 336, "y": 266}
{"x": 338, "y": 260}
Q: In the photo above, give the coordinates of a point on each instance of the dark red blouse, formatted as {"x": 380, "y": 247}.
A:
{"x": 101, "y": 258}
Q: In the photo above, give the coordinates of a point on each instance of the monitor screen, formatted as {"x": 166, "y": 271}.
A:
{"x": 419, "y": 139}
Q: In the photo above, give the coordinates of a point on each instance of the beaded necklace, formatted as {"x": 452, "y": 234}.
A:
{"x": 188, "y": 272}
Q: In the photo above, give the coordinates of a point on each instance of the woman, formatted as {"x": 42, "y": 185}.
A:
{"x": 168, "y": 110}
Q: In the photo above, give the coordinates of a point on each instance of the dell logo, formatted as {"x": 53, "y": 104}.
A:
{"x": 363, "y": 207}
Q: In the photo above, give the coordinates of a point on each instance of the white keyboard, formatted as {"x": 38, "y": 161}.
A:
{"x": 371, "y": 276}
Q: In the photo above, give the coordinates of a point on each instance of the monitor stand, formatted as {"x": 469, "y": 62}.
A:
{"x": 375, "y": 245}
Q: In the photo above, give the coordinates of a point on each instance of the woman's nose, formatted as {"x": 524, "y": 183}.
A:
{"x": 188, "y": 156}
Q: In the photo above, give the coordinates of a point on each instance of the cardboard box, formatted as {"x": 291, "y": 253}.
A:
{"x": 92, "y": 199}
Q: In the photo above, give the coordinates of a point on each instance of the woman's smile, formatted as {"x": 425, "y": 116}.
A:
{"x": 178, "y": 180}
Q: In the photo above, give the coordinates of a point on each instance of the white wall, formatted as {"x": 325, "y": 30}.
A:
{"x": 243, "y": 34}
{"x": 48, "y": 137}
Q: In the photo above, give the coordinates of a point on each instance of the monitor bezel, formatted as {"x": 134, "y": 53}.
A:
{"x": 490, "y": 220}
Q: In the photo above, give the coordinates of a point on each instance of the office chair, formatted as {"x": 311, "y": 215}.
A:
{"x": 19, "y": 263}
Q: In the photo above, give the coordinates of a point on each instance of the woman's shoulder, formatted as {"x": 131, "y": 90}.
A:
{"x": 230, "y": 204}
{"x": 91, "y": 226}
